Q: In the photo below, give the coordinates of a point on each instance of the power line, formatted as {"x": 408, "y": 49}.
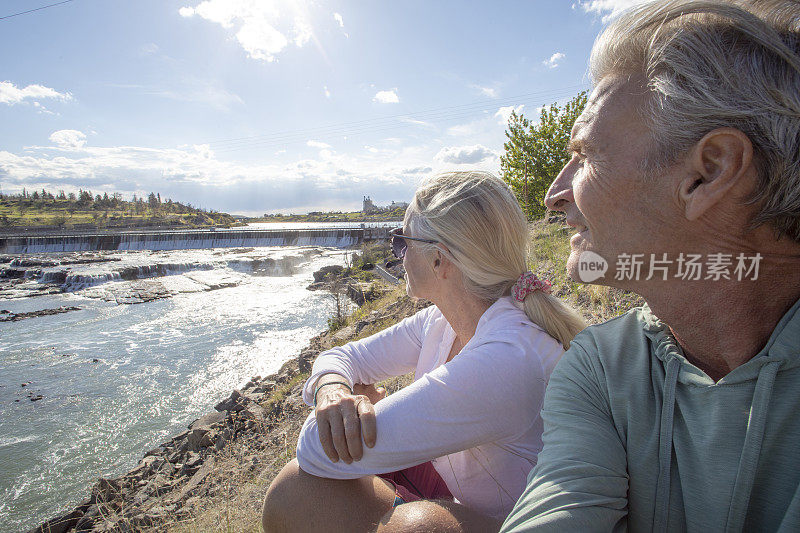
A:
{"x": 37, "y": 9}
{"x": 384, "y": 123}
{"x": 429, "y": 113}
{"x": 300, "y": 137}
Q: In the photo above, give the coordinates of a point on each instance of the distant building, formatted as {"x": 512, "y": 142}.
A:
{"x": 368, "y": 207}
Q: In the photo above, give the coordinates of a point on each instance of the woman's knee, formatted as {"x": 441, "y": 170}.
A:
{"x": 435, "y": 517}
{"x": 282, "y": 495}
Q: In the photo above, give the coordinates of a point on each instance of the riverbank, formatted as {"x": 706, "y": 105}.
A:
{"x": 201, "y": 479}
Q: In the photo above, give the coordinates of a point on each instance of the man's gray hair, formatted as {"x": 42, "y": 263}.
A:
{"x": 712, "y": 64}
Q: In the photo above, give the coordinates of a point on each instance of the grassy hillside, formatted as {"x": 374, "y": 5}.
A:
{"x": 46, "y": 210}
{"x": 334, "y": 216}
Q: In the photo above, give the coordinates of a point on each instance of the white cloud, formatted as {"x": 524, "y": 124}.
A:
{"x": 318, "y": 144}
{"x": 193, "y": 174}
{"x": 204, "y": 150}
{"x": 608, "y": 9}
{"x": 461, "y": 155}
{"x": 213, "y": 96}
{"x": 386, "y": 97}
{"x": 148, "y": 49}
{"x": 11, "y": 94}
{"x": 553, "y": 61}
{"x": 491, "y": 92}
{"x": 69, "y": 139}
{"x": 466, "y": 130}
{"x": 327, "y": 92}
{"x": 193, "y": 90}
{"x": 339, "y": 19}
{"x": 262, "y": 26}
{"x": 409, "y": 120}
{"x": 504, "y": 113}
{"x": 301, "y": 31}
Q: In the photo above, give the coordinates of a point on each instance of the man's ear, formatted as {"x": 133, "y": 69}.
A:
{"x": 720, "y": 160}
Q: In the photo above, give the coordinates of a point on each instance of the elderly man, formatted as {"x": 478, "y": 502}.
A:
{"x": 684, "y": 182}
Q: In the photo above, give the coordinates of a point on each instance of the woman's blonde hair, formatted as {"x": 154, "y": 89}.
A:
{"x": 477, "y": 218}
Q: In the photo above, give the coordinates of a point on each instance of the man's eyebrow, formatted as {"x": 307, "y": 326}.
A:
{"x": 575, "y": 144}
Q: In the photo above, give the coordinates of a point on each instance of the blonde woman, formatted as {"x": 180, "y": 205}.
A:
{"x": 468, "y": 429}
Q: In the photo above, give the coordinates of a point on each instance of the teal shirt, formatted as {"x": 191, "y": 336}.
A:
{"x": 637, "y": 438}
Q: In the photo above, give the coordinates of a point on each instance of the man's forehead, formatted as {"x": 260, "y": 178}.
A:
{"x": 613, "y": 95}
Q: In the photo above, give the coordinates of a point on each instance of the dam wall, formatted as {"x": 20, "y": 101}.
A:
{"x": 190, "y": 239}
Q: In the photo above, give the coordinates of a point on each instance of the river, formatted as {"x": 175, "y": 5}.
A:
{"x": 117, "y": 378}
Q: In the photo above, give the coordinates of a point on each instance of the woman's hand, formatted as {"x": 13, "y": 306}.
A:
{"x": 343, "y": 418}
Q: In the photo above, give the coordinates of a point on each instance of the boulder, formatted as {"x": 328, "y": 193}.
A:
{"x": 200, "y": 438}
{"x": 235, "y": 402}
{"x": 255, "y": 413}
{"x": 105, "y": 490}
{"x": 208, "y": 420}
{"x": 328, "y": 271}
{"x": 61, "y": 524}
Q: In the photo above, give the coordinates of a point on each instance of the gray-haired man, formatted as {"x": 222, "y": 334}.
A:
{"x": 685, "y": 180}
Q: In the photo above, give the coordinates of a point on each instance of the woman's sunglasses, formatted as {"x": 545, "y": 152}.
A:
{"x": 399, "y": 244}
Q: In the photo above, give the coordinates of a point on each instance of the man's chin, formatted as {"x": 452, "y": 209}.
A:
{"x": 572, "y": 265}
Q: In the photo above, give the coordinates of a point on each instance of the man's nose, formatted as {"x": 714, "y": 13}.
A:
{"x": 559, "y": 195}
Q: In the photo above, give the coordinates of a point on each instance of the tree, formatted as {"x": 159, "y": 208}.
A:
{"x": 536, "y": 152}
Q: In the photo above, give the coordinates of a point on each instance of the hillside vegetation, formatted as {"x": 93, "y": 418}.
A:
{"x": 43, "y": 209}
{"x": 334, "y": 216}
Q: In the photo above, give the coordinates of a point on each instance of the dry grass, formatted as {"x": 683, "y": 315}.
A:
{"x": 549, "y": 250}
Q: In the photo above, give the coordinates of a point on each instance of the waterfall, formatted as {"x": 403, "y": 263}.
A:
{"x": 190, "y": 239}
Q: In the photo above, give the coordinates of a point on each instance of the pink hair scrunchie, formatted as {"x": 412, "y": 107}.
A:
{"x": 527, "y": 283}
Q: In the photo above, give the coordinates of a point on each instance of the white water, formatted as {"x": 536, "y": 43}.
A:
{"x": 161, "y": 364}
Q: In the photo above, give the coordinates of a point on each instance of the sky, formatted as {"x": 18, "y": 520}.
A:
{"x": 277, "y": 106}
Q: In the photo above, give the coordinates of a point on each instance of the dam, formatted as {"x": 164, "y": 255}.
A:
{"x": 338, "y": 237}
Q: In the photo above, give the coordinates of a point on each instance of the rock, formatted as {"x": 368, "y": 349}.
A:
{"x": 193, "y": 459}
{"x": 269, "y": 386}
{"x": 207, "y": 420}
{"x": 105, "y": 490}
{"x": 152, "y": 463}
{"x": 195, "y": 480}
{"x": 200, "y": 438}
{"x": 87, "y": 521}
{"x": 158, "y": 452}
{"x": 61, "y": 524}
{"x": 36, "y": 398}
{"x": 328, "y": 271}
{"x": 343, "y": 334}
{"x": 254, "y": 412}
{"x": 235, "y": 402}
{"x": 13, "y": 317}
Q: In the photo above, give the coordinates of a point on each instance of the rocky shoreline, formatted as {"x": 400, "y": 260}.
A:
{"x": 236, "y": 449}
{"x": 8, "y": 316}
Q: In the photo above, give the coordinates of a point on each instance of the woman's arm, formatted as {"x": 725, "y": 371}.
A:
{"x": 391, "y": 352}
{"x": 488, "y": 394}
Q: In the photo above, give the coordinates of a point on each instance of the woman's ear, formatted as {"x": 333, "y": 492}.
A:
{"x": 438, "y": 266}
